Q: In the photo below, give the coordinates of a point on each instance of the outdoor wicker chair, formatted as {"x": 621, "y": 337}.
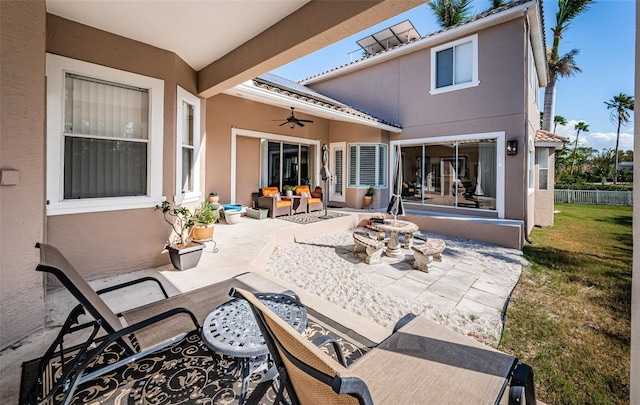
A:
{"x": 150, "y": 327}
{"x": 420, "y": 363}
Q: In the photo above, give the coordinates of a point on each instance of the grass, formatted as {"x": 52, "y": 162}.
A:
{"x": 570, "y": 315}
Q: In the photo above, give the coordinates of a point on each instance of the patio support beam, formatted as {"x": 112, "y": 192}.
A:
{"x": 314, "y": 26}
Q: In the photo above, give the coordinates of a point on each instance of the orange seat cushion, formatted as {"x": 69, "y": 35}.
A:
{"x": 267, "y": 191}
{"x": 313, "y": 200}
{"x": 302, "y": 189}
{"x": 283, "y": 203}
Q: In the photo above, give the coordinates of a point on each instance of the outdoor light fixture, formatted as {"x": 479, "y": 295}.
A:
{"x": 512, "y": 147}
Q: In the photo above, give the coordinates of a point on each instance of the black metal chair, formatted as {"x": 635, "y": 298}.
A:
{"x": 420, "y": 363}
{"x": 150, "y": 328}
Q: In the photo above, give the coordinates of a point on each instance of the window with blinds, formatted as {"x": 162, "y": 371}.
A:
{"x": 338, "y": 185}
{"x": 543, "y": 169}
{"x": 106, "y": 138}
{"x": 367, "y": 165}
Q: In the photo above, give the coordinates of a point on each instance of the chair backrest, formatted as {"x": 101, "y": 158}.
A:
{"x": 312, "y": 374}
{"x": 52, "y": 261}
{"x": 303, "y": 189}
{"x": 268, "y": 191}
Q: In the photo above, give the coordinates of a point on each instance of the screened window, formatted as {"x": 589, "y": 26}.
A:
{"x": 367, "y": 165}
{"x": 543, "y": 169}
{"x": 106, "y": 138}
{"x": 532, "y": 163}
{"x": 454, "y": 65}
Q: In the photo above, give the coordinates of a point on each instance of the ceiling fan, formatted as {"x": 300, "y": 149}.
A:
{"x": 293, "y": 121}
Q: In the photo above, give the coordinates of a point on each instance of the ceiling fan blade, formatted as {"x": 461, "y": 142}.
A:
{"x": 310, "y": 121}
{"x": 284, "y": 123}
{"x": 299, "y": 123}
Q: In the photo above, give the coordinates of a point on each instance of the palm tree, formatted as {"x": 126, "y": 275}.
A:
{"x": 567, "y": 11}
{"x": 562, "y": 67}
{"x": 558, "y": 119}
{"x": 620, "y": 106}
{"x": 580, "y": 126}
{"x": 451, "y": 12}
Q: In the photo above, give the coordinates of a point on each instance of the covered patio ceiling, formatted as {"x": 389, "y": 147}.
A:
{"x": 228, "y": 42}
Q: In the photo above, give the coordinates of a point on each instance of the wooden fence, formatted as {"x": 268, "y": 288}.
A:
{"x": 596, "y": 197}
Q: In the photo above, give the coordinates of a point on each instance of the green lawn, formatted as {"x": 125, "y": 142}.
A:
{"x": 570, "y": 315}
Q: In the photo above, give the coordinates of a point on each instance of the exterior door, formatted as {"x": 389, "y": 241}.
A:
{"x": 337, "y": 163}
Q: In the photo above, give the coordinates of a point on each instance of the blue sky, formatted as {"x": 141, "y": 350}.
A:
{"x": 604, "y": 35}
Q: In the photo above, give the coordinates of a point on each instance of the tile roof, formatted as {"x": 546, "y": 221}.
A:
{"x": 543, "y": 136}
{"x": 477, "y": 17}
{"x": 288, "y": 88}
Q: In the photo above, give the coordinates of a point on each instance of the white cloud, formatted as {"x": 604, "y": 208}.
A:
{"x": 597, "y": 140}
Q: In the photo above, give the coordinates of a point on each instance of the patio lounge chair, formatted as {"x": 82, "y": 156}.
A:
{"x": 420, "y": 363}
{"x": 150, "y": 327}
{"x": 313, "y": 203}
{"x": 270, "y": 199}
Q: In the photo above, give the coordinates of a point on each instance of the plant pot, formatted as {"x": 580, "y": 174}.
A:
{"x": 232, "y": 217}
{"x": 214, "y": 199}
{"x": 187, "y": 257}
{"x": 257, "y": 213}
{"x": 367, "y": 201}
{"x": 289, "y": 193}
{"x": 202, "y": 232}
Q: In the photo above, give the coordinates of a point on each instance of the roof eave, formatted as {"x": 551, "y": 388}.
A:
{"x": 555, "y": 145}
{"x": 248, "y": 91}
{"x": 428, "y": 41}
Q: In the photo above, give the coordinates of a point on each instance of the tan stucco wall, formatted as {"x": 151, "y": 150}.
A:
{"x": 108, "y": 243}
{"x": 22, "y": 113}
{"x": 398, "y": 90}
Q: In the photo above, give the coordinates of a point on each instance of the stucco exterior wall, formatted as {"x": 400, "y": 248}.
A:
{"x": 108, "y": 243}
{"x": 22, "y": 114}
{"x": 398, "y": 90}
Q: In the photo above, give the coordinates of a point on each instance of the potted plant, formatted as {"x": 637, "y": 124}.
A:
{"x": 289, "y": 190}
{"x": 204, "y": 217}
{"x": 214, "y": 198}
{"x": 367, "y": 200}
{"x": 184, "y": 252}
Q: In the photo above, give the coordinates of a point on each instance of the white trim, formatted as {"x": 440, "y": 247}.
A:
{"x": 248, "y": 91}
{"x": 56, "y": 67}
{"x": 180, "y": 198}
{"x": 474, "y": 65}
{"x": 379, "y": 146}
{"x": 554, "y": 145}
{"x": 500, "y": 161}
{"x": 332, "y": 154}
{"x": 235, "y": 132}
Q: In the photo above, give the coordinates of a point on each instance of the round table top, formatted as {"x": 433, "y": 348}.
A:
{"x": 232, "y": 329}
{"x": 390, "y": 225}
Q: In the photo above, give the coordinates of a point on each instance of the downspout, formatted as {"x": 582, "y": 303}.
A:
{"x": 526, "y": 125}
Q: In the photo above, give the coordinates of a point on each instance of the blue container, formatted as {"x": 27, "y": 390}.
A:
{"x": 232, "y": 207}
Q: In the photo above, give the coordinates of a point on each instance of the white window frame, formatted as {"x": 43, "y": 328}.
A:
{"x": 196, "y": 193}
{"x": 56, "y": 68}
{"x": 534, "y": 84}
{"x": 500, "y": 161}
{"x": 474, "y": 65}
{"x": 531, "y": 150}
{"x": 543, "y": 166}
{"x": 381, "y": 181}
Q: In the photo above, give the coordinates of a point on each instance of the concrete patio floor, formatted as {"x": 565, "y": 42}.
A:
{"x": 246, "y": 247}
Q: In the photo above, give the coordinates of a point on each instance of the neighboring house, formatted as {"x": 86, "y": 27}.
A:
{"x": 464, "y": 97}
{"x": 104, "y": 115}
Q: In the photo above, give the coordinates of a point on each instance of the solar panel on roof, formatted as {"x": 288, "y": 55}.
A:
{"x": 389, "y": 37}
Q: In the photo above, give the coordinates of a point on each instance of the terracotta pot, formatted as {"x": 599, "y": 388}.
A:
{"x": 213, "y": 199}
{"x": 367, "y": 201}
{"x": 202, "y": 232}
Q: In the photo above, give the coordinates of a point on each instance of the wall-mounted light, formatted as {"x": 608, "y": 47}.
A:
{"x": 512, "y": 147}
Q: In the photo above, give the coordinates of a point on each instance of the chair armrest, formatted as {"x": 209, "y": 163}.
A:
{"x": 134, "y": 282}
{"x": 403, "y": 321}
{"x": 324, "y": 339}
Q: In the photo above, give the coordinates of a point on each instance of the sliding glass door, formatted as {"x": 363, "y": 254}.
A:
{"x": 285, "y": 163}
{"x": 459, "y": 174}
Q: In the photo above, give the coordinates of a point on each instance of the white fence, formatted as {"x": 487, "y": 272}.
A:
{"x": 594, "y": 197}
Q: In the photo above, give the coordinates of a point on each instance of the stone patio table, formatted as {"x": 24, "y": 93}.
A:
{"x": 395, "y": 227}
